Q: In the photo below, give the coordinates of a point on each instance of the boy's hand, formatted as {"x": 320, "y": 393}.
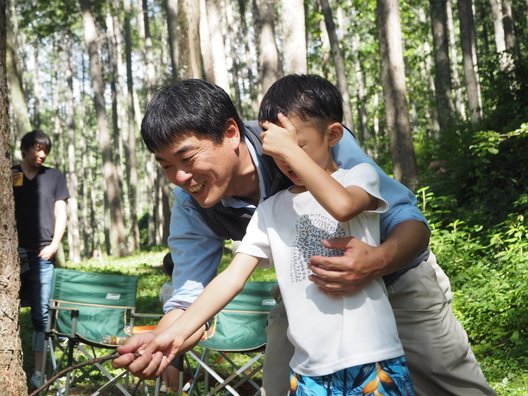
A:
{"x": 147, "y": 355}
{"x": 278, "y": 141}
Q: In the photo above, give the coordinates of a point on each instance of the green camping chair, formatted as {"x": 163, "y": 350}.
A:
{"x": 240, "y": 328}
{"x": 90, "y": 314}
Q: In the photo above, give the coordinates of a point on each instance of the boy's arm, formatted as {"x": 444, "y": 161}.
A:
{"x": 343, "y": 203}
{"x": 157, "y": 355}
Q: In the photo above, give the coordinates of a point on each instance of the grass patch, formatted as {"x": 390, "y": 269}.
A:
{"x": 506, "y": 370}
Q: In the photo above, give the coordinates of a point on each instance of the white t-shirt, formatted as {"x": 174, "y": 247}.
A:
{"x": 329, "y": 332}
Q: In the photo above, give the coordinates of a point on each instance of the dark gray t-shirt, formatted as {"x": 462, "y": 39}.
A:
{"x": 35, "y": 204}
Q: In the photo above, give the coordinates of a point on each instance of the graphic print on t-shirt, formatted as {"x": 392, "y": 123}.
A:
{"x": 310, "y": 230}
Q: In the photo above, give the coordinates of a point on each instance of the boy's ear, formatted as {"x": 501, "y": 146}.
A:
{"x": 232, "y": 133}
{"x": 334, "y": 133}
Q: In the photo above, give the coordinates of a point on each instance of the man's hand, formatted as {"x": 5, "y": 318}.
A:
{"x": 359, "y": 264}
{"x": 48, "y": 252}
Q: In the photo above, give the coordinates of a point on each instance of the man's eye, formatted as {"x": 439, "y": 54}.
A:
{"x": 187, "y": 159}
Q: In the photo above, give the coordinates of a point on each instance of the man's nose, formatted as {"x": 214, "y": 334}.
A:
{"x": 181, "y": 177}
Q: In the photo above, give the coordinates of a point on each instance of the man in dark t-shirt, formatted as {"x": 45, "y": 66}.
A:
{"x": 40, "y": 209}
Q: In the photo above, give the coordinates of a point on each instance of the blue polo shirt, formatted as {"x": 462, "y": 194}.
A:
{"x": 196, "y": 250}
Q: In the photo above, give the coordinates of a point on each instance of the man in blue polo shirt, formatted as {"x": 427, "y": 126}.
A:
{"x": 216, "y": 162}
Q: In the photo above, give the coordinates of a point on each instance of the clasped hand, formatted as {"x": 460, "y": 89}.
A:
{"x": 147, "y": 355}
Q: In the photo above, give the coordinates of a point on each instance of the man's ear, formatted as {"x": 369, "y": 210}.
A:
{"x": 334, "y": 133}
{"x": 232, "y": 133}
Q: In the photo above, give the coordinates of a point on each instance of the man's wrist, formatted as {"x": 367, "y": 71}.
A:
{"x": 386, "y": 257}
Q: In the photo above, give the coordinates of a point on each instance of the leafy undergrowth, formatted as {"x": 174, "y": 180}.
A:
{"x": 504, "y": 363}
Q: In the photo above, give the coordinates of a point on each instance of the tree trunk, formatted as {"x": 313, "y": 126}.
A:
{"x": 73, "y": 217}
{"x": 246, "y": 62}
{"x": 112, "y": 196}
{"x": 508, "y": 24}
{"x": 149, "y": 53}
{"x": 442, "y": 72}
{"x": 339, "y": 63}
{"x": 294, "y": 33}
{"x": 36, "y": 91}
{"x": 130, "y": 158}
{"x": 151, "y": 164}
{"x": 12, "y": 376}
{"x": 171, "y": 7}
{"x": 361, "y": 93}
{"x": 189, "y": 39}
{"x": 214, "y": 17}
{"x": 468, "y": 43}
{"x": 394, "y": 92}
{"x": 16, "y": 90}
{"x": 205, "y": 43}
{"x": 453, "y": 57}
{"x": 267, "y": 47}
{"x": 506, "y": 64}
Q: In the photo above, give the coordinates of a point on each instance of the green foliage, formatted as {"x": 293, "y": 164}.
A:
{"x": 477, "y": 204}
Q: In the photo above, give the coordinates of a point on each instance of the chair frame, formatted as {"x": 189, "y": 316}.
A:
{"x": 76, "y": 342}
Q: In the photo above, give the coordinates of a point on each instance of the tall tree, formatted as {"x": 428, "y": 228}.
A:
{"x": 267, "y": 46}
{"x": 205, "y": 42}
{"x": 294, "y": 34}
{"x": 112, "y": 195}
{"x": 218, "y": 52}
{"x": 130, "y": 146}
{"x": 442, "y": 69}
{"x": 506, "y": 61}
{"x": 394, "y": 92}
{"x": 12, "y": 376}
{"x": 468, "y": 42}
{"x": 16, "y": 90}
{"x": 453, "y": 57}
{"x": 189, "y": 39}
{"x": 171, "y": 9}
{"x": 73, "y": 217}
{"x": 339, "y": 62}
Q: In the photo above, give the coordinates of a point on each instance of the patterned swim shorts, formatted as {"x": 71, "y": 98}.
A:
{"x": 389, "y": 378}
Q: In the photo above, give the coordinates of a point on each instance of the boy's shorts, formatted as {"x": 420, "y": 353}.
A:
{"x": 388, "y": 377}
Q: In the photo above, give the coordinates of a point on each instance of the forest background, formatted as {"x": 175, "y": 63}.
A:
{"x": 435, "y": 91}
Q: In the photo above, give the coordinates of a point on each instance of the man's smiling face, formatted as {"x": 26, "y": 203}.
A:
{"x": 202, "y": 167}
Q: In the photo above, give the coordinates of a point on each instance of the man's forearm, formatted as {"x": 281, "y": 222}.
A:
{"x": 61, "y": 215}
{"x": 405, "y": 242}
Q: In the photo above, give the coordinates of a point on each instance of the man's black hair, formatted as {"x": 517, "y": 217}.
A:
{"x": 33, "y": 138}
{"x": 306, "y": 96}
{"x": 188, "y": 106}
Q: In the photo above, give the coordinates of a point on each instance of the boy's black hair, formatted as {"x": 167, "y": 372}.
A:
{"x": 33, "y": 138}
{"x": 168, "y": 264}
{"x": 307, "y": 96}
{"x": 188, "y": 106}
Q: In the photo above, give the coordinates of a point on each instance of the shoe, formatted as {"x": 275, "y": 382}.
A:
{"x": 36, "y": 379}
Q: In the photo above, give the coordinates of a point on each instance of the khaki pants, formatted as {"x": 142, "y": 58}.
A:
{"x": 436, "y": 346}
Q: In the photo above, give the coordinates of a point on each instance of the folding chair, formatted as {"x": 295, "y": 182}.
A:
{"x": 240, "y": 328}
{"x": 90, "y": 314}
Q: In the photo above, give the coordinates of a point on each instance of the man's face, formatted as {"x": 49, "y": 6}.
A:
{"x": 203, "y": 168}
{"x": 36, "y": 155}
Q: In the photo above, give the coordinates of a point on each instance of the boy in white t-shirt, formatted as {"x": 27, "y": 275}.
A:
{"x": 344, "y": 344}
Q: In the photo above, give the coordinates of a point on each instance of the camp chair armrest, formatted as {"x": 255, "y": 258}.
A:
{"x": 146, "y": 315}
{"x": 63, "y": 309}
